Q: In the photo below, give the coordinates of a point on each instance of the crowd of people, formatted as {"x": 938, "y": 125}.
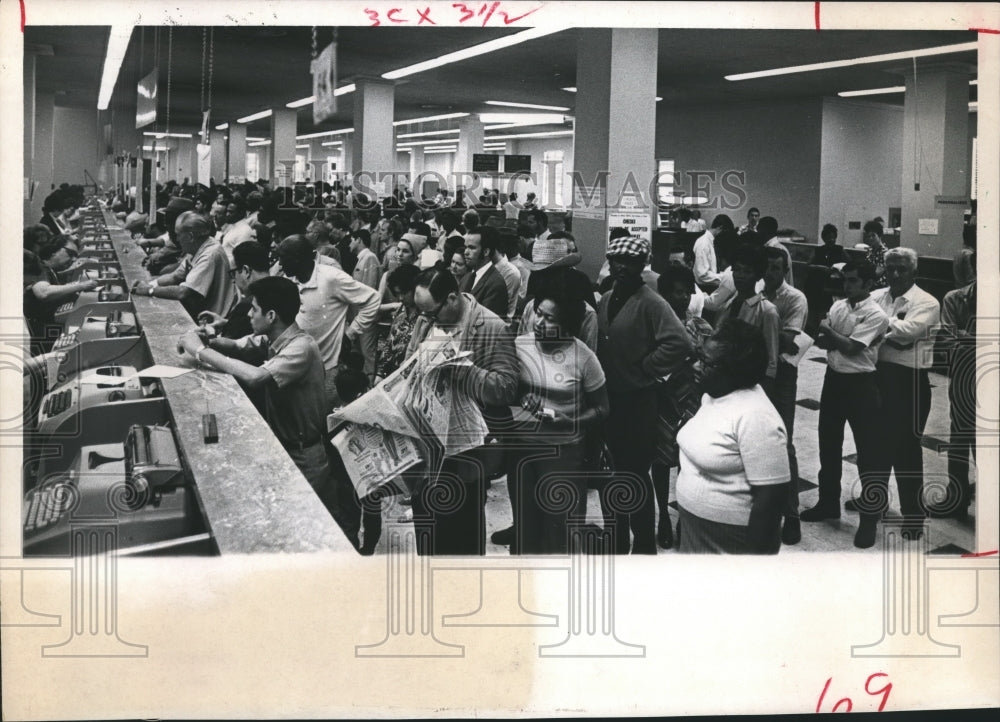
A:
{"x": 308, "y": 301}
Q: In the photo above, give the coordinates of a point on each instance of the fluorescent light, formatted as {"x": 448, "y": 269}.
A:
{"x": 974, "y": 107}
{"x": 570, "y": 89}
{"x": 523, "y": 118}
{"x": 438, "y": 150}
{"x": 873, "y": 91}
{"x": 306, "y": 145}
{"x": 441, "y": 148}
{"x": 323, "y": 134}
{"x": 118, "y": 41}
{"x": 222, "y": 126}
{"x": 551, "y": 134}
{"x": 258, "y": 142}
{"x": 904, "y": 55}
{"x": 524, "y": 105}
{"x": 427, "y": 133}
{"x": 250, "y": 138}
{"x": 429, "y": 118}
{"x": 149, "y": 149}
{"x": 167, "y": 135}
{"x": 437, "y": 141}
{"x": 255, "y": 116}
{"x": 974, "y": 82}
{"x": 658, "y": 98}
{"x": 481, "y": 49}
{"x": 342, "y": 90}
{"x": 332, "y": 142}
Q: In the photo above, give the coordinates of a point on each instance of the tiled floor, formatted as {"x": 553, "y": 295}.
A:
{"x": 945, "y": 536}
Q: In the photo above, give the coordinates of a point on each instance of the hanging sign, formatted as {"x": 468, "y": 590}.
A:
{"x": 324, "y": 72}
{"x": 204, "y": 125}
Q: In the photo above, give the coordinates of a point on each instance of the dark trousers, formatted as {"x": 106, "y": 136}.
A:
{"x": 546, "y": 486}
{"x": 782, "y": 394}
{"x": 449, "y": 513}
{"x": 627, "y": 501}
{"x": 962, "y": 414}
{"x": 906, "y": 401}
{"x": 852, "y": 399}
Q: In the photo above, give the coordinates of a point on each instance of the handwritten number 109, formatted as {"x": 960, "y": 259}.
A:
{"x": 847, "y": 705}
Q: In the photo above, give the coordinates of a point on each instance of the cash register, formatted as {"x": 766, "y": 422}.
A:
{"x": 112, "y": 296}
{"x": 138, "y": 486}
{"x": 98, "y": 340}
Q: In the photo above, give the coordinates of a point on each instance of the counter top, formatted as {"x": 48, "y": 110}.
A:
{"x": 253, "y": 496}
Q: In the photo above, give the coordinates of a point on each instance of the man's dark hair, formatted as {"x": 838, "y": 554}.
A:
{"x": 864, "y": 269}
{"x": 403, "y": 277}
{"x": 674, "y": 275}
{"x": 829, "y": 231}
{"x": 541, "y": 218}
{"x": 364, "y": 235}
{"x": 351, "y": 383}
{"x": 510, "y": 244}
{"x": 240, "y": 205}
{"x": 438, "y": 281}
{"x": 873, "y": 227}
{"x": 767, "y": 228}
{"x": 722, "y": 221}
{"x": 489, "y": 238}
{"x": 744, "y": 357}
{"x": 687, "y": 251}
{"x": 773, "y": 252}
{"x": 254, "y": 199}
{"x": 448, "y": 220}
{"x": 969, "y": 236}
{"x": 420, "y": 228}
{"x": 277, "y": 294}
{"x": 252, "y": 254}
{"x": 751, "y": 256}
{"x": 753, "y": 209}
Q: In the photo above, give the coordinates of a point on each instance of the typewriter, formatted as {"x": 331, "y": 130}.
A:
{"x": 138, "y": 487}
{"x": 113, "y": 296}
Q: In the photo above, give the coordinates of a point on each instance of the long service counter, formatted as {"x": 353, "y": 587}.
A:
{"x": 253, "y": 497}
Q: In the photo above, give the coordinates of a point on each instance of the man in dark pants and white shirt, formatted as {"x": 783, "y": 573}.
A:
{"x": 851, "y": 333}
{"x": 904, "y": 388}
{"x": 640, "y": 341}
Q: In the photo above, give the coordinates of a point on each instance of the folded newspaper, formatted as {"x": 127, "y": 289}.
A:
{"x": 416, "y": 408}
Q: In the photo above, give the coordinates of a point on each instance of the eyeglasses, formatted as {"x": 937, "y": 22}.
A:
{"x": 433, "y": 315}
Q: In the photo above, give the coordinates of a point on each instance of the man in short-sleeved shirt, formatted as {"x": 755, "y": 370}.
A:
{"x": 202, "y": 281}
{"x": 851, "y": 334}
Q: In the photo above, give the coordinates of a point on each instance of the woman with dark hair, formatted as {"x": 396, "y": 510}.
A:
{"x": 732, "y": 485}
{"x": 44, "y": 292}
{"x": 562, "y": 397}
{"x": 876, "y": 251}
{"x": 392, "y": 349}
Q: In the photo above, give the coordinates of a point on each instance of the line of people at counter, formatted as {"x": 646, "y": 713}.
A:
{"x": 609, "y": 389}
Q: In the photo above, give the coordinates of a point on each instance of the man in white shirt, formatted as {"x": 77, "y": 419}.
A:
{"x": 327, "y": 295}
{"x": 767, "y": 234}
{"x": 706, "y": 270}
{"x": 511, "y": 274}
{"x": 238, "y": 229}
{"x": 851, "y": 334}
{"x": 367, "y": 270}
{"x": 511, "y": 209}
{"x": 903, "y": 385}
{"x": 792, "y": 314}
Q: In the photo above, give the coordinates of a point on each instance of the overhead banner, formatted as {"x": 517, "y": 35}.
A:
{"x": 145, "y": 108}
{"x": 324, "y": 72}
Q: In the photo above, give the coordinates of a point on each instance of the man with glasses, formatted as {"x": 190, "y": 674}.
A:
{"x": 251, "y": 265}
{"x": 449, "y": 316}
{"x": 201, "y": 281}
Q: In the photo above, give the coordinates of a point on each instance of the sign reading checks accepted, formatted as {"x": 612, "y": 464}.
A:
{"x": 324, "y": 72}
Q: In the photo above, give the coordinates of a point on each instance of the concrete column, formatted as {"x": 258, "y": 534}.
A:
{"x": 217, "y": 166}
{"x": 29, "y": 134}
{"x": 237, "y": 146}
{"x": 614, "y": 142}
{"x": 284, "y": 124}
{"x": 470, "y": 141}
{"x": 186, "y": 163}
{"x": 416, "y": 168}
{"x": 347, "y": 159}
{"x": 42, "y": 158}
{"x": 374, "y": 149}
{"x": 935, "y": 156}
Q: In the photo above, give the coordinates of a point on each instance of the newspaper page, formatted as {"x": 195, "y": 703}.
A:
{"x": 374, "y": 456}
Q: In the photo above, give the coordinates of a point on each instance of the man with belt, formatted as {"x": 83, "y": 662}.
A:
{"x": 903, "y": 386}
{"x": 285, "y": 361}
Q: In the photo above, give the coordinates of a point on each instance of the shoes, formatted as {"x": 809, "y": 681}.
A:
{"x": 791, "y": 531}
{"x": 664, "y": 532}
{"x": 820, "y": 512}
{"x": 504, "y": 537}
{"x": 866, "y": 535}
{"x": 851, "y": 505}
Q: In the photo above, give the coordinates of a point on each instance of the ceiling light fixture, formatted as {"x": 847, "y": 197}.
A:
{"x": 552, "y": 134}
{"x": 523, "y": 118}
{"x": 255, "y": 116}
{"x": 342, "y": 90}
{"x": 872, "y": 91}
{"x": 428, "y": 133}
{"x": 167, "y": 135}
{"x": 885, "y": 57}
{"x": 524, "y": 105}
{"x": 439, "y": 151}
{"x": 476, "y": 50}
{"x": 223, "y": 126}
{"x": 330, "y": 143}
{"x": 441, "y": 148}
{"x": 323, "y": 134}
{"x": 304, "y": 145}
{"x": 258, "y": 142}
{"x": 429, "y": 118}
{"x": 118, "y": 41}
{"x": 570, "y": 89}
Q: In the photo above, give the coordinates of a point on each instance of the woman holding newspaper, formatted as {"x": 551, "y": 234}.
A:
{"x": 562, "y": 396}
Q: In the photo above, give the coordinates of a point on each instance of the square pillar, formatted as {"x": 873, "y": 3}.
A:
{"x": 470, "y": 141}
{"x": 374, "y": 150}
{"x": 237, "y": 146}
{"x": 42, "y": 161}
{"x": 615, "y": 133}
{"x": 935, "y": 155}
{"x": 284, "y": 124}
{"x": 217, "y": 161}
